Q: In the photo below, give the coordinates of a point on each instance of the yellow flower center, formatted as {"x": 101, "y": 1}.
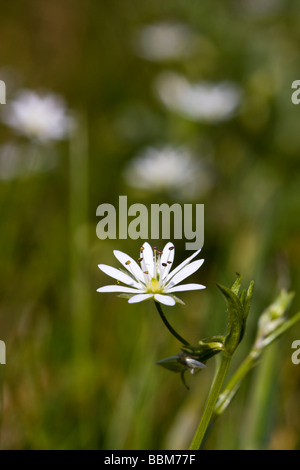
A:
{"x": 154, "y": 286}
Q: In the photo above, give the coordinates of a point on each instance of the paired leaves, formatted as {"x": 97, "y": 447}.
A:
{"x": 238, "y": 307}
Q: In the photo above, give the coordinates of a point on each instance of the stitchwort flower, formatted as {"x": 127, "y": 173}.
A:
{"x": 152, "y": 278}
{"x": 171, "y": 169}
{"x": 201, "y": 101}
{"x": 39, "y": 117}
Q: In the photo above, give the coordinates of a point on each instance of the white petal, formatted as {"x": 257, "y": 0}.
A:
{"x": 132, "y": 267}
{"x": 147, "y": 255}
{"x": 147, "y": 274}
{"x": 182, "y": 265}
{"x": 184, "y": 287}
{"x": 185, "y": 272}
{"x": 124, "y": 289}
{"x": 167, "y": 258}
{"x": 116, "y": 274}
{"x": 139, "y": 298}
{"x": 164, "y": 299}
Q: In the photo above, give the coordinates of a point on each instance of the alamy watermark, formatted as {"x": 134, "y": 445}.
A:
{"x": 296, "y": 354}
{"x": 2, "y": 101}
{"x": 178, "y": 221}
{"x": 2, "y": 92}
{"x": 296, "y": 94}
{"x": 2, "y": 352}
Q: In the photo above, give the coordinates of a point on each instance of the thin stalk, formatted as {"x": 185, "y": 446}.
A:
{"x": 79, "y": 289}
{"x": 211, "y": 402}
{"x": 79, "y": 241}
{"x": 232, "y": 386}
{"x": 170, "y": 328}
{"x": 249, "y": 362}
{"x": 256, "y": 432}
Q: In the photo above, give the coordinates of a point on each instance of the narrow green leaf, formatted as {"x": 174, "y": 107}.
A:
{"x": 235, "y": 318}
{"x": 242, "y": 297}
{"x": 248, "y": 299}
{"x": 237, "y": 284}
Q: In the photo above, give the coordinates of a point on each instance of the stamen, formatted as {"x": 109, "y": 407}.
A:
{"x": 128, "y": 262}
{"x": 165, "y": 265}
{"x": 146, "y": 272}
{"x": 142, "y": 248}
{"x": 140, "y": 260}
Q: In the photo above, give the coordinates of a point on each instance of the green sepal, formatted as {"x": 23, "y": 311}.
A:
{"x": 172, "y": 363}
{"x": 181, "y": 363}
{"x": 193, "y": 358}
{"x": 206, "y": 348}
{"x": 177, "y": 300}
{"x": 125, "y": 296}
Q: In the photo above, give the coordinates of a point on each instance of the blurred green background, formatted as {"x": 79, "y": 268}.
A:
{"x": 80, "y": 370}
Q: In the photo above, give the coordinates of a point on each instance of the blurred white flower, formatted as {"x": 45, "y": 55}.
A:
{"x": 202, "y": 101}
{"x": 21, "y": 161}
{"x": 152, "y": 279}
{"x": 169, "y": 169}
{"x": 38, "y": 117}
{"x": 165, "y": 41}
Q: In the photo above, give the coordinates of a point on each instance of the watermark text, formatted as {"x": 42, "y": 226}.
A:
{"x": 296, "y": 354}
{"x": 2, "y": 92}
{"x": 2, "y": 352}
{"x": 161, "y": 222}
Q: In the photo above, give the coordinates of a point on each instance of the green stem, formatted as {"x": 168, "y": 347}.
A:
{"x": 256, "y": 433}
{"x": 79, "y": 285}
{"x": 79, "y": 241}
{"x": 170, "y": 328}
{"x": 211, "y": 402}
{"x": 248, "y": 364}
{"x": 232, "y": 386}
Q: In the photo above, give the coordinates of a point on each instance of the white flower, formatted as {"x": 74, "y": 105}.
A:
{"x": 202, "y": 101}
{"x": 153, "y": 278}
{"x": 38, "y": 117}
{"x": 165, "y": 41}
{"x": 170, "y": 169}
